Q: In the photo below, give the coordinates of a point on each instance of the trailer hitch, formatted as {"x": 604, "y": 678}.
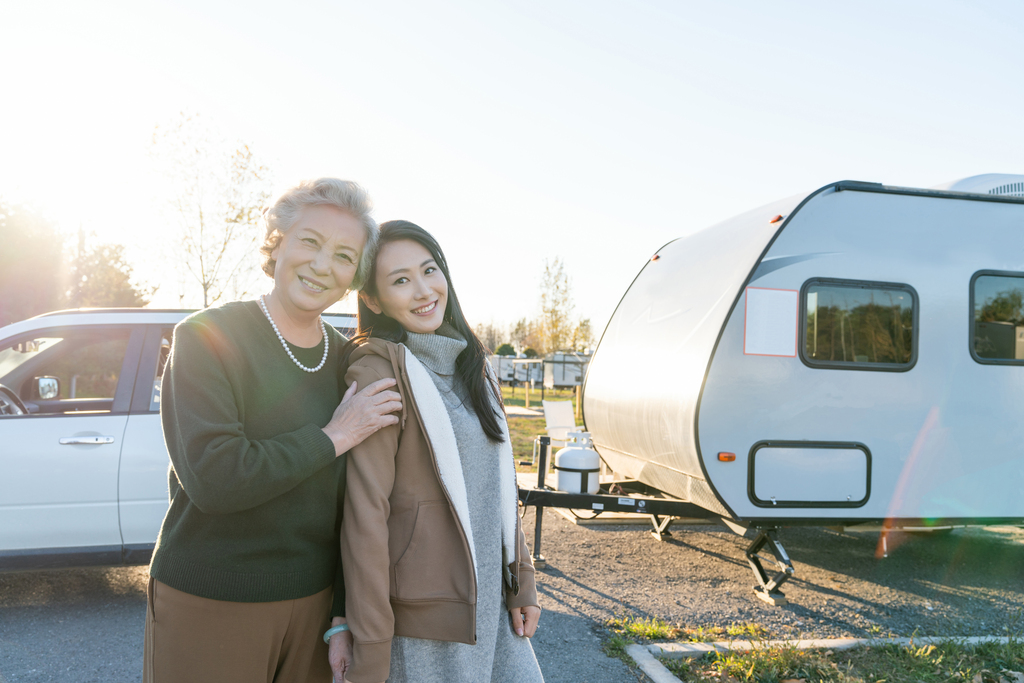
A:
{"x": 768, "y": 589}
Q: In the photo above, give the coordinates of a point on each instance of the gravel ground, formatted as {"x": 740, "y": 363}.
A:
{"x": 86, "y": 625}
{"x": 959, "y": 583}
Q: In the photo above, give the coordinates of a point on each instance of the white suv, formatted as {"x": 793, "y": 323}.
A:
{"x": 83, "y": 467}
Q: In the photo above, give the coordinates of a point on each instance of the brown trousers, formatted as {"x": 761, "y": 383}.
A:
{"x": 197, "y": 640}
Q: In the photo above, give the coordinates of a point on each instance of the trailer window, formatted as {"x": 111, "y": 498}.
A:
{"x": 853, "y": 325}
{"x": 997, "y": 310}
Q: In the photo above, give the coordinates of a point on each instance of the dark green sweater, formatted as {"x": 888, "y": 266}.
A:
{"x": 255, "y": 488}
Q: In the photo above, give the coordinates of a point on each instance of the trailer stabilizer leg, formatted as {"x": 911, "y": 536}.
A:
{"x": 768, "y": 589}
{"x": 661, "y": 525}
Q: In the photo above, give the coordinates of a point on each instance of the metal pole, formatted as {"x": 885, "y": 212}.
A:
{"x": 542, "y": 464}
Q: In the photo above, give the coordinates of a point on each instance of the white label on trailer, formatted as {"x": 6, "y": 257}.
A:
{"x": 627, "y": 501}
{"x": 770, "y": 322}
{"x": 599, "y": 506}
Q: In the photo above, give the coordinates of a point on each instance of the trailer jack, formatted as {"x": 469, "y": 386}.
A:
{"x": 661, "y": 525}
{"x": 768, "y": 589}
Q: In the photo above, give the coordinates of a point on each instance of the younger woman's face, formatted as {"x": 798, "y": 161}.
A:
{"x": 411, "y": 289}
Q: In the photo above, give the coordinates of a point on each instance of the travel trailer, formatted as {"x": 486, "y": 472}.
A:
{"x": 851, "y": 355}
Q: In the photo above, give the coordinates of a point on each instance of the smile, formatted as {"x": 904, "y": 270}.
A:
{"x": 309, "y": 284}
{"x": 425, "y": 309}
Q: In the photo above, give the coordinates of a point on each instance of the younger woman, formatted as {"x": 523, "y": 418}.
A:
{"x": 437, "y": 572}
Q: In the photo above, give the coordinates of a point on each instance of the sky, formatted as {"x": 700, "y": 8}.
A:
{"x": 590, "y": 131}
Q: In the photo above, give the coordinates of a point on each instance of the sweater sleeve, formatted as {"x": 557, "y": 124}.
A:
{"x": 364, "y": 545}
{"x": 222, "y": 470}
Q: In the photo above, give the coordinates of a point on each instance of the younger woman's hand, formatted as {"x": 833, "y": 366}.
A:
{"x": 524, "y": 620}
{"x": 361, "y": 414}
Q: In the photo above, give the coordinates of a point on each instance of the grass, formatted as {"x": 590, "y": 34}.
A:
{"x": 884, "y": 663}
{"x": 516, "y": 396}
{"x": 524, "y": 430}
{"x": 643, "y": 629}
{"x": 952, "y": 661}
{"x": 654, "y": 628}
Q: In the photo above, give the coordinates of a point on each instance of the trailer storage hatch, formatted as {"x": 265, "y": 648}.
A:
{"x": 809, "y": 474}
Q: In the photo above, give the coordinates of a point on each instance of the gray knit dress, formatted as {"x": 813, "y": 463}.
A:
{"x": 499, "y": 656}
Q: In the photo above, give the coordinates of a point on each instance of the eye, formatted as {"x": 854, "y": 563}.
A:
{"x": 344, "y": 257}
{"x": 309, "y": 240}
{"x": 401, "y": 281}
{"x": 430, "y": 269}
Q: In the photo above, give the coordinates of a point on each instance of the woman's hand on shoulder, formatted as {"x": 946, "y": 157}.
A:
{"x": 525, "y": 619}
{"x": 361, "y": 414}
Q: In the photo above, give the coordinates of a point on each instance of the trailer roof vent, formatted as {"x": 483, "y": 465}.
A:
{"x": 1005, "y": 184}
{"x": 1011, "y": 189}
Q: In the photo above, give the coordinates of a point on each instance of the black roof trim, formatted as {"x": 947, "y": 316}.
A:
{"x": 859, "y": 186}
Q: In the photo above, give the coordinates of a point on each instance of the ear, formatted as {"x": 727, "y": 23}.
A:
{"x": 371, "y": 303}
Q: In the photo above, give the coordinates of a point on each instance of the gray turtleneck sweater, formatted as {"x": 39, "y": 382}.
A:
{"x": 508, "y": 657}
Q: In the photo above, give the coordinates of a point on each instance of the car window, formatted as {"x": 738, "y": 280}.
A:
{"x": 82, "y": 367}
{"x": 12, "y": 357}
{"x": 165, "y": 351}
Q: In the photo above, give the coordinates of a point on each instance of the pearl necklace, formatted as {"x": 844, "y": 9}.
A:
{"x": 323, "y": 329}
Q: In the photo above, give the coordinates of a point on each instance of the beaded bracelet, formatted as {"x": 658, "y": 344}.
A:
{"x": 334, "y": 629}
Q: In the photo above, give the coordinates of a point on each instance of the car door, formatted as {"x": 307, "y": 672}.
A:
{"x": 142, "y": 487}
{"x": 59, "y": 458}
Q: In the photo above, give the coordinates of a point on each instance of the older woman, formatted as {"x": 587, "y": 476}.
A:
{"x": 257, "y": 429}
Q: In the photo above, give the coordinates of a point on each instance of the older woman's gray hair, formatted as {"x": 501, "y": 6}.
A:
{"x": 342, "y": 194}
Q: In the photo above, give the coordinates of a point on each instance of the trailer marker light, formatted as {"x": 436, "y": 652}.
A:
{"x": 726, "y": 457}
{"x": 656, "y": 257}
{"x": 776, "y": 219}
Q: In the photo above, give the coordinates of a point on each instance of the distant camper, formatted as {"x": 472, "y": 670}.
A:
{"x": 855, "y": 354}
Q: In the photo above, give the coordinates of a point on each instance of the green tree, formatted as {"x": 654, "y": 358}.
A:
{"x": 1006, "y": 306}
{"x": 530, "y": 352}
{"x": 505, "y": 350}
{"x": 220, "y": 191}
{"x": 101, "y": 276}
{"x": 32, "y": 272}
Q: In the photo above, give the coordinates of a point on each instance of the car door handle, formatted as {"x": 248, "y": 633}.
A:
{"x": 85, "y": 440}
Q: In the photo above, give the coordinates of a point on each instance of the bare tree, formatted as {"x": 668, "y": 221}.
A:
{"x": 556, "y": 307}
{"x": 582, "y": 336}
{"x": 525, "y": 335}
{"x": 219, "y": 192}
{"x": 490, "y": 335}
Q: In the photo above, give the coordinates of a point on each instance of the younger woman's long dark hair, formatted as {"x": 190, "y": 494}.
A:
{"x": 469, "y": 366}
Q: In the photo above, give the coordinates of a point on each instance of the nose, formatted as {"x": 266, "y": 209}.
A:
{"x": 320, "y": 263}
{"x": 422, "y": 289}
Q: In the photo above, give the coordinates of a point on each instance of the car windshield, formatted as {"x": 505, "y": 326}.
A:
{"x": 13, "y": 356}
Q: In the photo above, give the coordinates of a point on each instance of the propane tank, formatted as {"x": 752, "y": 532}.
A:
{"x": 578, "y": 465}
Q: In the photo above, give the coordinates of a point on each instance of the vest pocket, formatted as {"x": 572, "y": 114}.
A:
{"x": 434, "y": 564}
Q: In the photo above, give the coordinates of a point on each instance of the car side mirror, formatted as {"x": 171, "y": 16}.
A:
{"x": 47, "y": 388}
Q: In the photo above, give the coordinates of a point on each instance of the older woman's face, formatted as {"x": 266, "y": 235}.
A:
{"x": 317, "y": 258}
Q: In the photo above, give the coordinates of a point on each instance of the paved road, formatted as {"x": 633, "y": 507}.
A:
{"x": 86, "y": 626}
